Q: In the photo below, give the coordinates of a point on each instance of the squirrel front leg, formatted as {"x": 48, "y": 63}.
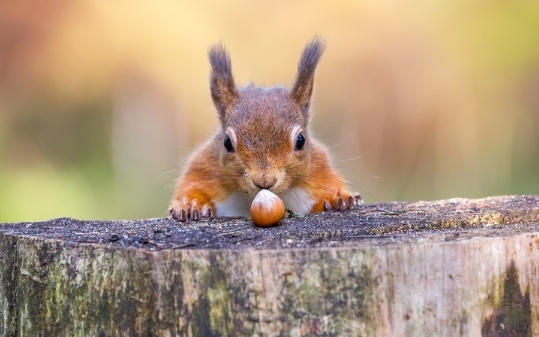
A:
{"x": 327, "y": 187}
{"x": 340, "y": 200}
{"x": 191, "y": 203}
{"x": 193, "y": 197}
{"x": 331, "y": 194}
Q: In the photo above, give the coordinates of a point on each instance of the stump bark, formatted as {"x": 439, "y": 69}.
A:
{"x": 447, "y": 268}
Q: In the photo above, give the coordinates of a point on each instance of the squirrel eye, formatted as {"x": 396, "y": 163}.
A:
{"x": 228, "y": 144}
{"x": 300, "y": 141}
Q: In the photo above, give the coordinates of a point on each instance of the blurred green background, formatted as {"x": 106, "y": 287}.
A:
{"x": 100, "y": 102}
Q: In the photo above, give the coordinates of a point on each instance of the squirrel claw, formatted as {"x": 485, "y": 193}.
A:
{"x": 179, "y": 216}
{"x": 358, "y": 199}
{"x": 183, "y": 216}
{"x": 341, "y": 202}
{"x": 351, "y": 202}
{"x": 354, "y": 200}
{"x": 206, "y": 213}
{"x": 183, "y": 210}
{"x": 196, "y": 215}
{"x": 172, "y": 213}
{"x": 341, "y": 205}
{"x": 327, "y": 206}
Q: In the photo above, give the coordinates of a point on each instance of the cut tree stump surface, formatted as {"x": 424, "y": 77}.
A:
{"x": 454, "y": 267}
{"x": 372, "y": 224}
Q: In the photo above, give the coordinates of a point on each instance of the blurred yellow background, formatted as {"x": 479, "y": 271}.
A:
{"x": 100, "y": 102}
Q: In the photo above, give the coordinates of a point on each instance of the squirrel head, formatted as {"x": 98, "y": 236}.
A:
{"x": 264, "y": 142}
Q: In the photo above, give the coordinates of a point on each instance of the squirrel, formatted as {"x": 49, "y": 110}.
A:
{"x": 263, "y": 142}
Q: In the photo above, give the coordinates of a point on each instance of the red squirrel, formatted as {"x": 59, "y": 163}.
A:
{"x": 263, "y": 142}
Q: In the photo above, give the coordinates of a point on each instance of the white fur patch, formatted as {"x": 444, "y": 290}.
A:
{"x": 238, "y": 203}
{"x": 294, "y": 133}
{"x": 297, "y": 200}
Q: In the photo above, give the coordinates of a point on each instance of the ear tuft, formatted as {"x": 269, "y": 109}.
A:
{"x": 223, "y": 89}
{"x": 303, "y": 86}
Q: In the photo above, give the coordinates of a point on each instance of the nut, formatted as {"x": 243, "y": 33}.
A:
{"x": 267, "y": 209}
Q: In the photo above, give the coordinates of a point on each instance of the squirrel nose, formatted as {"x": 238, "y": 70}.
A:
{"x": 262, "y": 181}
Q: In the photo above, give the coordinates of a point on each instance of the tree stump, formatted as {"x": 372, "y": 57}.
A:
{"x": 447, "y": 268}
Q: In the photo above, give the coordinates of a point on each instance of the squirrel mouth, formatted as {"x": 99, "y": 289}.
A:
{"x": 264, "y": 186}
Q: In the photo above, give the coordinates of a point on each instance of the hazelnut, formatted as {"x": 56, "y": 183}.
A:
{"x": 267, "y": 209}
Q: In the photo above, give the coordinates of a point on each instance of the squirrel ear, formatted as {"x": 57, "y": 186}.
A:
{"x": 223, "y": 89}
{"x": 303, "y": 86}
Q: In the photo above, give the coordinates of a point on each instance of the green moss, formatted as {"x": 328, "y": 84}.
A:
{"x": 512, "y": 315}
{"x": 321, "y": 301}
{"x": 8, "y": 286}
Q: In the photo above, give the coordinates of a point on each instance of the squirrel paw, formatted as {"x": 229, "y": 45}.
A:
{"x": 184, "y": 210}
{"x": 342, "y": 202}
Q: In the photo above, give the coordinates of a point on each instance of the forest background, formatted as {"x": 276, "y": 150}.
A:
{"x": 102, "y": 102}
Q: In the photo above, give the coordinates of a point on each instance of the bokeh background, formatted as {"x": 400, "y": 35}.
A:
{"x": 101, "y": 102}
